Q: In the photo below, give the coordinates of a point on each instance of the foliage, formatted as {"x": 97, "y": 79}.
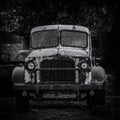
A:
{"x": 25, "y": 14}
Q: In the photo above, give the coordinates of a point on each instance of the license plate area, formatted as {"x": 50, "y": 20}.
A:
{"x": 59, "y": 95}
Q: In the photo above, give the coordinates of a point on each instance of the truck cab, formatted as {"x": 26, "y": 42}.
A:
{"x": 59, "y": 65}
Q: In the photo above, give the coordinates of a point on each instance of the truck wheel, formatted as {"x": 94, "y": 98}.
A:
{"x": 100, "y": 97}
{"x": 22, "y": 104}
{"x": 91, "y": 103}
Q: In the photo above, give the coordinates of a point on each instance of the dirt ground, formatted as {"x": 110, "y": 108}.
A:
{"x": 60, "y": 110}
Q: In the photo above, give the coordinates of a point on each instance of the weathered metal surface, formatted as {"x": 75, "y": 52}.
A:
{"x": 57, "y": 87}
{"x": 74, "y": 53}
{"x": 65, "y": 51}
{"x": 61, "y": 27}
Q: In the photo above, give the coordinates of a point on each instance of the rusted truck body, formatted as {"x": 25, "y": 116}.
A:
{"x": 59, "y": 66}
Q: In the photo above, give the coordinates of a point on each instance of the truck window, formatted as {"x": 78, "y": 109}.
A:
{"x": 45, "y": 39}
{"x": 73, "y": 38}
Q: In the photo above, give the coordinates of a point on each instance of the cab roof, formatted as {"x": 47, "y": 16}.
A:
{"x": 61, "y": 27}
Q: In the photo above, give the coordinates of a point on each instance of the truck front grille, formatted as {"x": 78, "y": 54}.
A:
{"x": 55, "y": 75}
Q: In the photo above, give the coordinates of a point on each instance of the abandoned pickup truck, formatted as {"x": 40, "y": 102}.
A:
{"x": 59, "y": 65}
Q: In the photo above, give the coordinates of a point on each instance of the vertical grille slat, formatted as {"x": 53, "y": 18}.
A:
{"x": 58, "y": 75}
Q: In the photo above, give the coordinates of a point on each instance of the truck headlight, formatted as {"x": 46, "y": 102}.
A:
{"x": 84, "y": 65}
{"x": 30, "y": 65}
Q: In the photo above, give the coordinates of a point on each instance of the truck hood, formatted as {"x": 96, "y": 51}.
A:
{"x": 73, "y": 52}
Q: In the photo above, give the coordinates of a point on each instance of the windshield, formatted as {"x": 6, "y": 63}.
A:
{"x": 74, "y": 38}
{"x": 45, "y": 39}
{"x": 50, "y": 38}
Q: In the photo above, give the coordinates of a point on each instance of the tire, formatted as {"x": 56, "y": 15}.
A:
{"x": 97, "y": 99}
{"x": 22, "y": 104}
{"x": 91, "y": 103}
{"x": 100, "y": 97}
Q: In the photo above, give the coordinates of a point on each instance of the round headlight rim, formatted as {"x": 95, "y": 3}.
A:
{"x": 86, "y": 60}
{"x": 83, "y": 67}
{"x": 29, "y": 62}
{"x": 88, "y": 66}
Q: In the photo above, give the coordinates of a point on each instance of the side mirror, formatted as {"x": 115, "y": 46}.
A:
{"x": 23, "y": 51}
{"x": 96, "y": 58}
{"x": 22, "y": 54}
{"x": 96, "y": 61}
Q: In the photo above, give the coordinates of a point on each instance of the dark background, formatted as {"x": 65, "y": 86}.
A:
{"x": 102, "y": 17}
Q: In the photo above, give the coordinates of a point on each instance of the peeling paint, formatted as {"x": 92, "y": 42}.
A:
{"x": 61, "y": 27}
{"x": 73, "y": 53}
{"x": 65, "y": 51}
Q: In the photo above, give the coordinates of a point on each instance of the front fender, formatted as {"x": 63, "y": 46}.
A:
{"x": 99, "y": 74}
{"x": 18, "y": 75}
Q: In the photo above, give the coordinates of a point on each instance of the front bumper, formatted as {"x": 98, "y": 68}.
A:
{"x": 58, "y": 87}
{"x": 62, "y": 91}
